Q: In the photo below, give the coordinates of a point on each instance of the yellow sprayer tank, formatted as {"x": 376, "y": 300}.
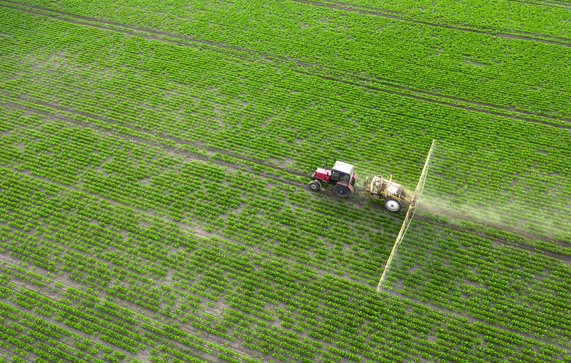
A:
{"x": 393, "y": 194}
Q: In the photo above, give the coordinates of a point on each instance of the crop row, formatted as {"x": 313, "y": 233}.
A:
{"x": 502, "y": 285}
{"x": 435, "y": 59}
{"x": 327, "y": 308}
{"x": 162, "y": 54}
{"x": 108, "y": 310}
{"x": 124, "y": 239}
{"x": 48, "y": 335}
{"x": 241, "y": 106}
{"x": 470, "y": 192}
{"x": 521, "y": 18}
{"x": 92, "y": 271}
{"x": 213, "y": 205}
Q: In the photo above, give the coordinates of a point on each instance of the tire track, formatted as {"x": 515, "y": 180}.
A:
{"x": 186, "y": 155}
{"x": 179, "y": 40}
{"x": 392, "y": 84}
{"x": 183, "y": 226}
{"x": 173, "y": 150}
{"x": 211, "y": 152}
{"x": 554, "y": 3}
{"x": 202, "y": 146}
{"x": 565, "y": 259}
{"x": 95, "y": 22}
{"x": 152, "y": 214}
{"x": 187, "y": 328}
{"x": 420, "y": 97}
{"x": 538, "y": 38}
{"x": 247, "y": 354}
{"x": 119, "y": 27}
{"x": 384, "y": 11}
{"x": 35, "y": 288}
{"x": 431, "y": 306}
{"x": 192, "y": 157}
{"x": 473, "y": 320}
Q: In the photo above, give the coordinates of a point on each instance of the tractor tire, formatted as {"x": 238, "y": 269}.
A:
{"x": 315, "y": 185}
{"x": 341, "y": 191}
{"x": 392, "y": 205}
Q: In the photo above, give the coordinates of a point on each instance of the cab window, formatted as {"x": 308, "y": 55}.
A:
{"x": 344, "y": 178}
{"x": 335, "y": 175}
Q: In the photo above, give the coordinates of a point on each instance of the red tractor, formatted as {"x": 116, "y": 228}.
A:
{"x": 342, "y": 177}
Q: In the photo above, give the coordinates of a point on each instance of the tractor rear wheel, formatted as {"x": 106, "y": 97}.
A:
{"x": 315, "y": 185}
{"x": 392, "y": 205}
{"x": 341, "y": 191}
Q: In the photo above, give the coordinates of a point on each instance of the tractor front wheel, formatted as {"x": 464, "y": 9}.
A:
{"x": 341, "y": 191}
{"x": 392, "y": 205}
{"x": 315, "y": 185}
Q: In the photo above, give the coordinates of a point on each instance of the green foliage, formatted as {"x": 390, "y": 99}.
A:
{"x": 152, "y": 205}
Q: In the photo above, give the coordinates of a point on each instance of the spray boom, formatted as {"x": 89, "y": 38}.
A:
{"x": 409, "y": 214}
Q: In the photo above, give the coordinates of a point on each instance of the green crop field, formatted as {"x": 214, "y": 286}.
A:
{"x": 154, "y": 161}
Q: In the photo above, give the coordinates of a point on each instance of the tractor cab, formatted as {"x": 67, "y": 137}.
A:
{"x": 343, "y": 173}
{"x": 342, "y": 177}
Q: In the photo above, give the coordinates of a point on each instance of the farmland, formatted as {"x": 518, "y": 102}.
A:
{"x": 154, "y": 157}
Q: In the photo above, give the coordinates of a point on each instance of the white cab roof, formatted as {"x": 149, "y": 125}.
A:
{"x": 344, "y": 167}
